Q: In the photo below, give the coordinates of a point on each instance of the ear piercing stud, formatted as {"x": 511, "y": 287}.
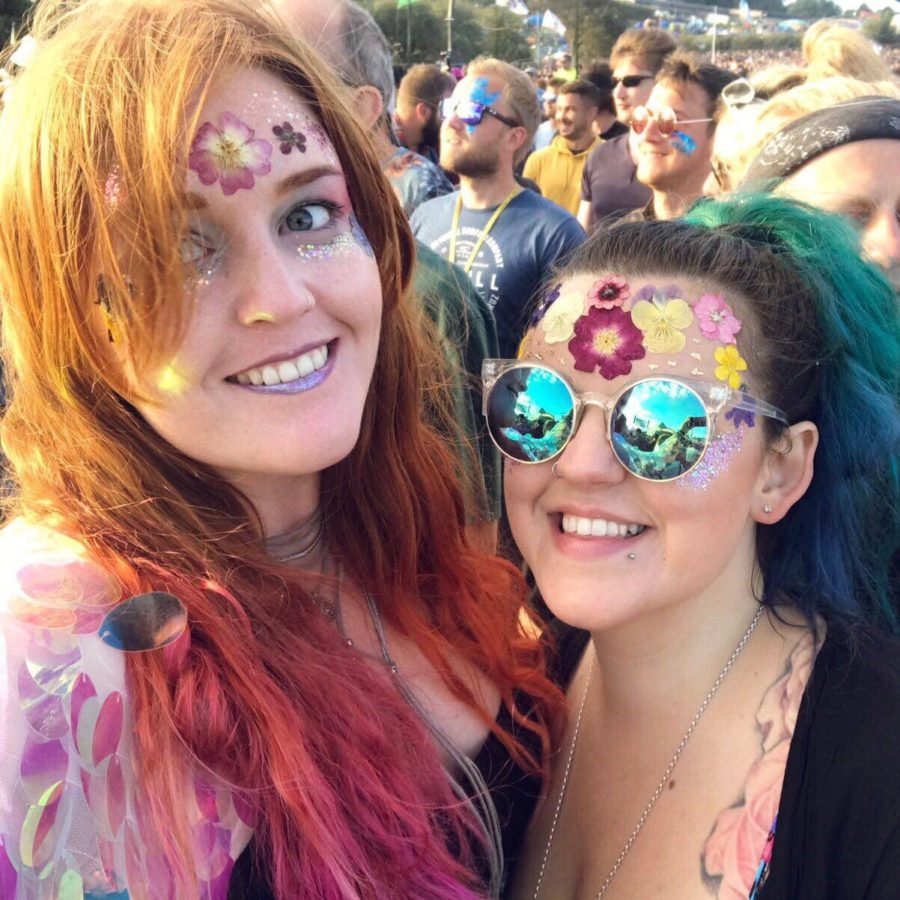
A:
{"x": 767, "y": 508}
{"x": 632, "y": 555}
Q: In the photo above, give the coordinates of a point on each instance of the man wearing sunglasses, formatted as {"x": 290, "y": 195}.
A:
{"x": 609, "y": 188}
{"x": 504, "y": 237}
{"x": 675, "y": 132}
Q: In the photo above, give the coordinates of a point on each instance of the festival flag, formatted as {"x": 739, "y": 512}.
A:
{"x": 553, "y": 23}
{"x": 514, "y": 6}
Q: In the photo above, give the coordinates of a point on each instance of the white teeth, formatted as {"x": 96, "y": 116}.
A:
{"x": 287, "y": 371}
{"x": 584, "y": 527}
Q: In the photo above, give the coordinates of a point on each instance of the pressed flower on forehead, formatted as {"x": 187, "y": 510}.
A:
{"x": 740, "y": 417}
{"x": 559, "y": 319}
{"x": 544, "y": 305}
{"x": 730, "y": 365}
{"x": 607, "y": 340}
{"x": 716, "y": 318}
{"x": 289, "y": 138}
{"x": 609, "y": 293}
{"x": 661, "y": 321}
{"x": 229, "y": 154}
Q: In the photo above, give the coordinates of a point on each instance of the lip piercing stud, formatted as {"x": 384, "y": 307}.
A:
{"x": 555, "y": 471}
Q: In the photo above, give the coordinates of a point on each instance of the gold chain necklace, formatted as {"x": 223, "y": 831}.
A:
{"x": 657, "y": 793}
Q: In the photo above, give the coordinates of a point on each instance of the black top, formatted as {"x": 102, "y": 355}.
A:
{"x": 838, "y": 832}
{"x": 514, "y": 791}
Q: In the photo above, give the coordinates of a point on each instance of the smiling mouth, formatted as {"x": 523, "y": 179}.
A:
{"x": 584, "y": 527}
{"x": 286, "y": 372}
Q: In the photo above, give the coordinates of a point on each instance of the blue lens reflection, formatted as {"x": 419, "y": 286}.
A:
{"x": 530, "y": 414}
{"x": 659, "y": 429}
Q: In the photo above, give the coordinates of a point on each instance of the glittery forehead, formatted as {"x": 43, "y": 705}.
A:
{"x": 609, "y": 326}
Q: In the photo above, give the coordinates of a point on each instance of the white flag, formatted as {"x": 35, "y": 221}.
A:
{"x": 515, "y": 6}
{"x": 551, "y": 21}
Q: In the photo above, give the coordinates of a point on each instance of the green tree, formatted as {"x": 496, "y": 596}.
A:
{"x": 880, "y": 29}
{"x": 813, "y": 9}
{"x": 11, "y": 13}
{"x": 503, "y": 34}
{"x": 428, "y": 30}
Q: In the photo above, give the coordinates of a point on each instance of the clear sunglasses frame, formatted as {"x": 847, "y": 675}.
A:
{"x": 713, "y": 397}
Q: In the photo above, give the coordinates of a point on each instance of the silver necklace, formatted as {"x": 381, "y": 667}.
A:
{"x": 657, "y": 793}
{"x": 301, "y": 554}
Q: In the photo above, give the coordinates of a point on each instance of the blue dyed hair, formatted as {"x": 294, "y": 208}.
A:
{"x": 824, "y": 335}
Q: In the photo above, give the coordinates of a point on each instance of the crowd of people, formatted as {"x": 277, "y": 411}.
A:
{"x": 445, "y": 487}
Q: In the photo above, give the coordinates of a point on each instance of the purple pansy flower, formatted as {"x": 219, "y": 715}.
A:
{"x": 608, "y": 340}
{"x": 544, "y": 305}
{"x": 229, "y": 154}
{"x": 740, "y": 417}
{"x": 289, "y": 138}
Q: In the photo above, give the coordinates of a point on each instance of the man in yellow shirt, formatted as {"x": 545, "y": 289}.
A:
{"x": 557, "y": 169}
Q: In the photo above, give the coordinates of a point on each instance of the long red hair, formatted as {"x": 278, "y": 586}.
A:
{"x": 349, "y": 793}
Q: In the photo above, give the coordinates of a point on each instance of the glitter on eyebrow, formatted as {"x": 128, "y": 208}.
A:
{"x": 696, "y": 371}
{"x": 716, "y": 460}
{"x": 696, "y": 356}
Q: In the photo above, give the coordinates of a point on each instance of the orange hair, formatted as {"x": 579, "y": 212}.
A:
{"x": 103, "y": 118}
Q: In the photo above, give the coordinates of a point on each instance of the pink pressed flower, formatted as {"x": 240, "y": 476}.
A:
{"x": 717, "y": 321}
{"x": 608, "y": 340}
{"x": 229, "y": 154}
{"x": 610, "y": 293}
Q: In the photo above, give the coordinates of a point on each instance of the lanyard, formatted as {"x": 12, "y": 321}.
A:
{"x": 451, "y": 253}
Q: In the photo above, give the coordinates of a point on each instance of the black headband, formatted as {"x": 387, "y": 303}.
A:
{"x": 862, "y": 119}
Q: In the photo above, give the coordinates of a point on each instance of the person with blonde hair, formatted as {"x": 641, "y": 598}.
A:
{"x": 832, "y": 143}
{"x": 237, "y": 601}
{"x": 830, "y": 49}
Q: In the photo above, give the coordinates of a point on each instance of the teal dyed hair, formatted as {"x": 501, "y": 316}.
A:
{"x": 824, "y": 336}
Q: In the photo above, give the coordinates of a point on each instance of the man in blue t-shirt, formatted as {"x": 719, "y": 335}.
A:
{"x": 505, "y": 237}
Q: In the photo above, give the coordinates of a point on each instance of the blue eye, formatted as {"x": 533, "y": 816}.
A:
{"x": 310, "y": 217}
{"x": 193, "y": 249}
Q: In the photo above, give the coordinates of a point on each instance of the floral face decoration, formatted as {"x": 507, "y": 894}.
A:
{"x": 609, "y": 327}
{"x": 229, "y": 153}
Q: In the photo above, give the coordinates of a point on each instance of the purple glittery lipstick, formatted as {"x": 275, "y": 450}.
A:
{"x": 303, "y": 383}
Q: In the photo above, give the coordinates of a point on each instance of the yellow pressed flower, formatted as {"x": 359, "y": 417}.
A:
{"x": 559, "y": 320}
{"x": 730, "y": 365}
{"x": 661, "y": 324}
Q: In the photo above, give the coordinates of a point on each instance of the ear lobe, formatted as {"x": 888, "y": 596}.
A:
{"x": 369, "y": 105}
{"x": 786, "y": 473}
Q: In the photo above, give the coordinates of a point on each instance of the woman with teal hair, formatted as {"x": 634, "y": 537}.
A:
{"x": 734, "y": 670}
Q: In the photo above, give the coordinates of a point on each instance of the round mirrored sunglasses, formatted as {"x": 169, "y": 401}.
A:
{"x": 658, "y": 427}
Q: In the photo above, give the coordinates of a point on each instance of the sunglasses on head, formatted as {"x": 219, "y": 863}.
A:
{"x": 665, "y": 118}
{"x": 471, "y": 113}
{"x": 629, "y": 81}
{"x": 658, "y": 427}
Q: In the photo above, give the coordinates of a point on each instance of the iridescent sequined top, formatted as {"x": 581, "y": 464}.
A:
{"x": 74, "y": 822}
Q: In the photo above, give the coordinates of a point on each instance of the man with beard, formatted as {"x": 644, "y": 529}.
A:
{"x": 417, "y": 119}
{"x": 557, "y": 169}
{"x": 505, "y": 237}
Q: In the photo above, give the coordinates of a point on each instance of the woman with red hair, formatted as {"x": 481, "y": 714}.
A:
{"x": 236, "y": 595}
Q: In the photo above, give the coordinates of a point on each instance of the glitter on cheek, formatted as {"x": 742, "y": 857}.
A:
{"x": 339, "y": 246}
{"x": 716, "y": 460}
